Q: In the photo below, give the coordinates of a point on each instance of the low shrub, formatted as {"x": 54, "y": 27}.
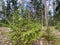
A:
{"x": 24, "y": 31}
{"x": 57, "y": 26}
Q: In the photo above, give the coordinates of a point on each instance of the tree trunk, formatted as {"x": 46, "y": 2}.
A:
{"x": 46, "y": 13}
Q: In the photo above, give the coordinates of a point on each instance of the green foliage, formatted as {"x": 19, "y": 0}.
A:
{"x": 56, "y": 17}
{"x": 33, "y": 32}
{"x": 57, "y": 26}
{"x": 23, "y": 32}
{"x": 3, "y": 24}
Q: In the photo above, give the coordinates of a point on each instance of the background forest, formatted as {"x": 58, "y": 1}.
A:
{"x": 31, "y": 22}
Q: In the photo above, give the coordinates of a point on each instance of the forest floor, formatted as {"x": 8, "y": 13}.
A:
{"x": 55, "y": 31}
{"x": 4, "y": 40}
